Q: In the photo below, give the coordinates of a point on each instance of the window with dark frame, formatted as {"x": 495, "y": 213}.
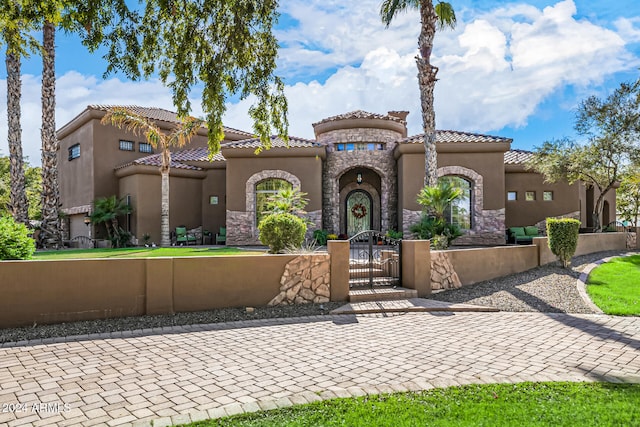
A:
{"x": 127, "y": 145}
{"x": 530, "y": 196}
{"x": 74, "y": 151}
{"x": 145, "y": 147}
{"x": 512, "y": 195}
{"x": 547, "y": 196}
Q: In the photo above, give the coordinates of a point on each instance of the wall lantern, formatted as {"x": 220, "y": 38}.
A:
{"x": 87, "y": 220}
{"x": 359, "y": 178}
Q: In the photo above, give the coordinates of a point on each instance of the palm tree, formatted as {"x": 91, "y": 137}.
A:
{"x": 435, "y": 200}
{"x": 106, "y": 210}
{"x": 50, "y": 231}
{"x": 183, "y": 132}
{"x": 432, "y": 18}
{"x": 13, "y": 25}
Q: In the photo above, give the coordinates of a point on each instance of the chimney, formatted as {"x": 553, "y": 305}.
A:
{"x": 402, "y": 115}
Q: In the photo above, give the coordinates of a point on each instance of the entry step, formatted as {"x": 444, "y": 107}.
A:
{"x": 381, "y": 294}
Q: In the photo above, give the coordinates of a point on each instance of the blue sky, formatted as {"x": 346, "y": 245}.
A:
{"x": 510, "y": 68}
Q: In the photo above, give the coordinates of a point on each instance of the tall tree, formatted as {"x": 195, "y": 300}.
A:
{"x": 628, "y": 197}
{"x": 181, "y": 134}
{"x": 50, "y": 228}
{"x": 32, "y": 187}
{"x": 228, "y": 46}
{"x": 15, "y": 24}
{"x": 612, "y": 128}
{"x": 432, "y": 17}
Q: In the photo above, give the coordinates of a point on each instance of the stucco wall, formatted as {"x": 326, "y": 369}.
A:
{"x": 76, "y": 176}
{"x": 587, "y": 243}
{"x": 566, "y": 199}
{"x": 476, "y": 265}
{"x": 70, "y": 290}
{"x": 214, "y": 216}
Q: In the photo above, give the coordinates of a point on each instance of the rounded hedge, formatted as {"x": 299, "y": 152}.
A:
{"x": 282, "y": 230}
{"x": 15, "y": 242}
{"x": 563, "y": 238}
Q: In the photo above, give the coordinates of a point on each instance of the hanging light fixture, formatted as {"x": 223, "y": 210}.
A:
{"x": 87, "y": 220}
{"x": 359, "y": 178}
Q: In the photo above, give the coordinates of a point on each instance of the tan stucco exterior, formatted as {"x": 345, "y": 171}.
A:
{"x": 371, "y": 146}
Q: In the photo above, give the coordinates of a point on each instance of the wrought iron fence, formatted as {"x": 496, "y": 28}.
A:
{"x": 374, "y": 260}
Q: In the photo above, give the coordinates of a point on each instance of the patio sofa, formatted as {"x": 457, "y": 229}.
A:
{"x": 522, "y": 235}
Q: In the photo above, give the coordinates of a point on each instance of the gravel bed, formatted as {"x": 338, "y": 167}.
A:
{"x": 547, "y": 289}
{"x": 146, "y": 322}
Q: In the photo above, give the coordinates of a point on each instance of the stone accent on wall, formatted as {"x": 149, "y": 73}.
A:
{"x": 306, "y": 279}
{"x": 631, "y": 240}
{"x": 489, "y": 229}
{"x": 339, "y": 162}
{"x": 359, "y": 135}
{"x": 542, "y": 225}
{"x": 240, "y": 230}
{"x": 409, "y": 218}
{"x": 443, "y": 275}
{"x": 314, "y": 219}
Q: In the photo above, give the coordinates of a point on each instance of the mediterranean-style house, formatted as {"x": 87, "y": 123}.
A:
{"x": 362, "y": 171}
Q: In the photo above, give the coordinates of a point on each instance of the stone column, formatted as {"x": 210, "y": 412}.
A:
{"x": 339, "y": 252}
{"x": 416, "y": 266}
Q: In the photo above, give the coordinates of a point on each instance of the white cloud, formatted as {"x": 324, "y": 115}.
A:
{"x": 496, "y": 68}
{"x": 73, "y": 93}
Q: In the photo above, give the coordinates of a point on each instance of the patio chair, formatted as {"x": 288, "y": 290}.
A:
{"x": 184, "y": 238}
{"x": 221, "y": 237}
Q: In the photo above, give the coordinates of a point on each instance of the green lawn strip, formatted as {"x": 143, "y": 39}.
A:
{"x": 141, "y": 253}
{"x": 524, "y": 404}
{"x": 615, "y": 286}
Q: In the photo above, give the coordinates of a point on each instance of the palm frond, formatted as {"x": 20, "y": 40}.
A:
{"x": 389, "y": 9}
{"x": 182, "y": 134}
{"x": 446, "y": 15}
{"x": 135, "y": 123}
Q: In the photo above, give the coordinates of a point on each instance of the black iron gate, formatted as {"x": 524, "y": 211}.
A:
{"x": 374, "y": 260}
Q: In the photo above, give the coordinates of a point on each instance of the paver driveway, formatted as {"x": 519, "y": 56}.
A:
{"x": 200, "y": 371}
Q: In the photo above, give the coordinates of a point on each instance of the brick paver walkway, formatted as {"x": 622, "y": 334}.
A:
{"x": 197, "y": 372}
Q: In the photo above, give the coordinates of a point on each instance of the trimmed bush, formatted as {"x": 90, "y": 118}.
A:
{"x": 15, "y": 242}
{"x": 282, "y": 230}
{"x": 320, "y": 237}
{"x": 563, "y": 238}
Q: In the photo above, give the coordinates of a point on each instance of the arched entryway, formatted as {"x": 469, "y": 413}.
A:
{"x": 360, "y": 204}
{"x": 359, "y": 212}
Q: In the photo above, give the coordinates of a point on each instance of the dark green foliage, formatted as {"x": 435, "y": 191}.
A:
{"x": 15, "y": 242}
{"x": 280, "y": 231}
{"x": 320, "y": 236}
{"x": 107, "y": 210}
{"x": 563, "y": 238}
{"x": 394, "y": 234}
{"x": 33, "y": 183}
{"x": 430, "y": 227}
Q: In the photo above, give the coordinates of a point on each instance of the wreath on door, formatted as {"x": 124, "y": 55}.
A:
{"x": 359, "y": 210}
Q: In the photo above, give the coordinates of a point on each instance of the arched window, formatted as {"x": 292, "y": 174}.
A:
{"x": 264, "y": 190}
{"x": 459, "y": 212}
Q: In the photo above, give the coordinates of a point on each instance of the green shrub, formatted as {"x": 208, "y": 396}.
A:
{"x": 430, "y": 227}
{"x": 320, "y": 236}
{"x": 439, "y": 242}
{"x": 281, "y": 230}
{"x": 332, "y": 236}
{"x": 394, "y": 234}
{"x": 15, "y": 242}
{"x": 563, "y": 238}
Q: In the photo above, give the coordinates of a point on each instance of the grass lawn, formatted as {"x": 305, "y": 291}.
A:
{"x": 525, "y": 404}
{"x": 615, "y": 286}
{"x": 178, "y": 251}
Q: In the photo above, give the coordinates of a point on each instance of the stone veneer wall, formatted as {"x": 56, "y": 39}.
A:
{"x": 241, "y": 226}
{"x": 306, "y": 279}
{"x": 443, "y": 274}
{"x": 488, "y": 225}
{"x": 339, "y": 162}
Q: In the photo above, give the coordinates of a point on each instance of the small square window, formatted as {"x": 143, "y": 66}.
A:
{"x": 145, "y": 147}
{"x": 74, "y": 151}
{"x": 213, "y": 200}
{"x": 512, "y": 195}
{"x": 530, "y": 196}
{"x": 547, "y": 196}
{"x": 127, "y": 145}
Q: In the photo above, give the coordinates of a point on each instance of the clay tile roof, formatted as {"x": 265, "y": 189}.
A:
{"x": 159, "y": 114}
{"x": 276, "y": 142}
{"x": 452, "y": 136}
{"x": 177, "y": 159}
{"x": 517, "y": 157}
{"x": 359, "y": 114}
